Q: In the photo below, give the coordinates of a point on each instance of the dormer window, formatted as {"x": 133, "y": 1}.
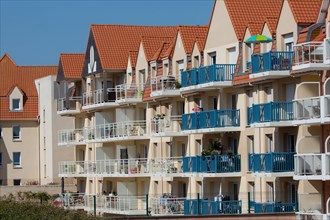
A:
{"x": 16, "y": 104}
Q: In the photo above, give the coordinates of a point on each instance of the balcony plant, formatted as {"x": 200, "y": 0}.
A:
{"x": 159, "y": 116}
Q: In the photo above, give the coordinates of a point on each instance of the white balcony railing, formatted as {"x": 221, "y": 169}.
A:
{"x": 164, "y": 85}
{"x": 327, "y": 105}
{"x": 97, "y": 97}
{"x": 72, "y": 105}
{"x": 72, "y": 136}
{"x": 327, "y": 51}
{"x": 124, "y": 92}
{"x": 119, "y": 130}
{"x": 307, "y": 108}
{"x": 166, "y": 124}
{"x": 312, "y": 166}
{"x": 310, "y": 52}
{"x": 167, "y": 205}
{"x": 134, "y": 166}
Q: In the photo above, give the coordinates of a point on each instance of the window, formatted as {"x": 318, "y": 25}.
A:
{"x": 1, "y": 183}
{"x": 180, "y": 65}
{"x": 143, "y": 80}
{"x": 252, "y": 191}
{"x": 16, "y": 132}
{"x": 269, "y": 139}
{"x": 17, "y": 159}
{"x": 232, "y": 55}
{"x": 250, "y": 94}
{"x": 17, "y": 182}
{"x": 0, "y": 159}
{"x": 196, "y": 61}
{"x": 16, "y": 104}
{"x": 270, "y": 187}
{"x": 251, "y": 143}
{"x": 0, "y": 132}
{"x": 288, "y": 42}
{"x": 153, "y": 72}
{"x": 269, "y": 92}
{"x": 213, "y": 58}
{"x": 166, "y": 72}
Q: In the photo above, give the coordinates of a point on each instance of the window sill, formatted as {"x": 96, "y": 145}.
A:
{"x": 18, "y": 110}
{"x": 17, "y": 140}
{"x": 17, "y": 167}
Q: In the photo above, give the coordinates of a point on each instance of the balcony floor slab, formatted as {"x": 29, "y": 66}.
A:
{"x": 312, "y": 177}
{"x": 310, "y": 67}
{"x": 100, "y": 106}
{"x": 273, "y": 174}
{"x": 205, "y": 87}
{"x": 128, "y": 101}
{"x": 165, "y": 94}
{"x": 132, "y": 138}
{"x": 68, "y": 112}
{"x": 272, "y": 124}
{"x": 270, "y": 74}
{"x": 309, "y": 121}
{"x": 211, "y": 130}
{"x": 169, "y": 134}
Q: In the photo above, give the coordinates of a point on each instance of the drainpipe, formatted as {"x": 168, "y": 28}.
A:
{"x": 39, "y": 177}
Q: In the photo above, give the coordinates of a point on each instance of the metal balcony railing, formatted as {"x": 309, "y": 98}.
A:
{"x": 271, "y": 162}
{"x": 73, "y": 136}
{"x": 209, "y": 207}
{"x": 134, "y": 166}
{"x": 309, "y": 52}
{"x": 73, "y": 103}
{"x": 307, "y": 108}
{"x": 167, "y": 205}
{"x": 164, "y": 83}
{"x": 272, "y": 60}
{"x": 212, "y": 164}
{"x": 211, "y": 119}
{"x": 312, "y": 164}
{"x": 274, "y": 207}
{"x": 326, "y": 51}
{"x": 129, "y": 91}
{"x": 270, "y": 112}
{"x": 166, "y": 124}
{"x": 206, "y": 74}
{"x": 327, "y": 105}
{"x": 98, "y": 97}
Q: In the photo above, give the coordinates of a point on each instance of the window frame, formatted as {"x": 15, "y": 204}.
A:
{"x": 19, "y": 137}
{"x": 19, "y": 105}
{"x": 20, "y": 181}
{"x": 1, "y": 159}
{"x": 20, "y": 160}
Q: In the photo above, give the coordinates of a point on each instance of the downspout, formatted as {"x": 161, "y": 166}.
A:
{"x": 39, "y": 175}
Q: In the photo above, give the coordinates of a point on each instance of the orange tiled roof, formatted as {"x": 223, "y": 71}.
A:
{"x": 151, "y": 45}
{"x": 72, "y": 65}
{"x": 255, "y": 28}
{"x": 189, "y": 35}
{"x": 133, "y": 56}
{"x": 160, "y": 53}
{"x": 305, "y": 11}
{"x": 114, "y": 42}
{"x": 272, "y": 24}
{"x": 243, "y": 12}
{"x": 23, "y": 77}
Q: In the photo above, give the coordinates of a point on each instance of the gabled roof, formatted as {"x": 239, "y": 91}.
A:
{"x": 305, "y": 11}
{"x": 151, "y": 45}
{"x": 132, "y": 57}
{"x": 255, "y": 28}
{"x": 189, "y": 35}
{"x": 160, "y": 53}
{"x": 272, "y": 24}
{"x": 23, "y": 77}
{"x": 243, "y": 12}
{"x": 72, "y": 65}
{"x": 114, "y": 42}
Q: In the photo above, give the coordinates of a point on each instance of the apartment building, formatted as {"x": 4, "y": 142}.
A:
{"x": 193, "y": 120}
{"x": 28, "y": 123}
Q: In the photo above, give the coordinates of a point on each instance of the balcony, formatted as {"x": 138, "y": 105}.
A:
{"x": 312, "y": 167}
{"x": 270, "y": 114}
{"x": 280, "y": 163}
{"x": 326, "y": 57}
{"x": 73, "y": 137}
{"x": 167, "y": 205}
{"x": 119, "y": 131}
{"x": 129, "y": 94}
{"x": 164, "y": 86}
{"x": 209, "y": 207}
{"x": 137, "y": 167}
{"x": 68, "y": 106}
{"x": 226, "y": 165}
{"x": 167, "y": 127}
{"x": 207, "y": 77}
{"x": 211, "y": 121}
{"x": 274, "y": 207}
{"x": 313, "y": 110}
{"x": 271, "y": 65}
{"x": 99, "y": 99}
{"x": 309, "y": 57}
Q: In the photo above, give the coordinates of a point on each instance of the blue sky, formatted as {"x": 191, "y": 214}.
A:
{"x": 36, "y": 32}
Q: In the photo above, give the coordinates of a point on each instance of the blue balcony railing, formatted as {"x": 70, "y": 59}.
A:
{"x": 272, "y": 60}
{"x": 209, "y": 207}
{"x": 274, "y": 207}
{"x": 211, "y": 119}
{"x": 206, "y": 74}
{"x": 270, "y": 112}
{"x": 271, "y": 162}
{"x": 212, "y": 164}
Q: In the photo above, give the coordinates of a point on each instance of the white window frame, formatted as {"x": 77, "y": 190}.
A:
{"x": 0, "y": 132}
{"x": 19, "y": 104}
{"x": 0, "y": 158}
{"x": 19, "y": 163}
{"x": 19, "y": 137}
{"x": 20, "y": 182}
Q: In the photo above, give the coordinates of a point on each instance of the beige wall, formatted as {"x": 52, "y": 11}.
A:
{"x": 178, "y": 55}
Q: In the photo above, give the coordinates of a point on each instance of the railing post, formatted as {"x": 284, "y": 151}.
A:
{"x": 147, "y": 204}
{"x": 249, "y": 202}
{"x": 94, "y": 198}
{"x": 198, "y": 205}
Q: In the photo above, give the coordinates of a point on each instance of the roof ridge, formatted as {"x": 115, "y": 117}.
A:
{"x": 72, "y": 54}
{"x": 129, "y": 25}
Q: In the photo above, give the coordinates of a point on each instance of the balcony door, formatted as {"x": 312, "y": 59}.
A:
{"x": 292, "y": 193}
{"x": 232, "y": 55}
{"x": 289, "y": 92}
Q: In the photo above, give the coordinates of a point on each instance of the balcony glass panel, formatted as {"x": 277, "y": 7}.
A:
{"x": 272, "y": 60}
{"x": 307, "y": 108}
{"x": 310, "y": 52}
{"x": 209, "y": 207}
{"x": 311, "y": 164}
{"x": 71, "y": 104}
{"x": 128, "y": 91}
{"x": 98, "y": 96}
{"x": 163, "y": 83}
